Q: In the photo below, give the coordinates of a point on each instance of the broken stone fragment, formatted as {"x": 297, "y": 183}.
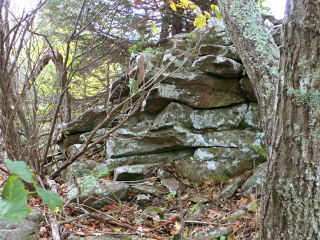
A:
{"x": 143, "y": 200}
{"x": 233, "y": 185}
{"x": 133, "y": 172}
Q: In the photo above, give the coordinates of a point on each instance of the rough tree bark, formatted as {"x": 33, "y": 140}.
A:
{"x": 66, "y": 101}
{"x": 287, "y": 84}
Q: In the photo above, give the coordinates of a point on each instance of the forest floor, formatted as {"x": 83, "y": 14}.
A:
{"x": 198, "y": 209}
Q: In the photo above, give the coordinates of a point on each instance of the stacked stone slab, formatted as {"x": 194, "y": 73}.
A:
{"x": 202, "y": 117}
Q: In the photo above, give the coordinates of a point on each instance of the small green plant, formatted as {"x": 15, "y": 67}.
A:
{"x": 186, "y": 182}
{"x": 261, "y": 151}
{"x": 194, "y": 207}
{"x": 101, "y": 174}
{"x": 158, "y": 49}
{"x": 254, "y": 207}
{"x": 192, "y": 36}
{"x": 170, "y": 195}
{"x": 13, "y": 205}
{"x": 138, "y": 47}
{"x": 133, "y": 86}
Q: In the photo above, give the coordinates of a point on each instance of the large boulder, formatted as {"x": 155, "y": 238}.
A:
{"x": 96, "y": 192}
{"x": 195, "y": 90}
{"x": 83, "y": 168}
{"x": 27, "y": 229}
{"x": 218, "y": 163}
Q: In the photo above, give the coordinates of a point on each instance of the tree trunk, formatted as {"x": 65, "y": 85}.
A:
{"x": 289, "y": 100}
{"x": 66, "y": 101}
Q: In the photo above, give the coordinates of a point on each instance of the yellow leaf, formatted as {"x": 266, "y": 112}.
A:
{"x": 216, "y": 9}
{"x": 192, "y": 6}
{"x": 185, "y": 3}
{"x": 213, "y": 7}
{"x": 154, "y": 28}
{"x": 200, "y": 21}
{"x": 173, "y": 6}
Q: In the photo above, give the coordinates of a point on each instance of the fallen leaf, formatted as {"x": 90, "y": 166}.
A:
{"x": 242, "y": 201}
{"x": 42, "y": 231}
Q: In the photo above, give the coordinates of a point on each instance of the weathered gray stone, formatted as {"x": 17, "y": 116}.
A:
{"x": 219, "y": 50}
{"x": 86, "y": 121}
{"x": 173, "y": 185}
{"x": 27, "y": 229}
{"x": 195, "y": 90}
{"x": 96, "y": 192}
{"x": 143, "y": 200}
{"x": 134, "y": 172}
{"x": 177, "y": 138}
{"x": 219, "y": 66}
{"x": 161, "y": 158}
{"x": 215, "y": 33}
{"x": 67, "y": 141}
{"x": 200, "y": 210}
{"x": 163, "y": 173}
{"x": 199, "y": 199}
{"x": 74, "y": 149}
{"x": 82, "y": 168}
{"x": 144, "y": 66}
{"x": 178, "y": 59}
{"x": 230, "y": 189}
{"x": 150, "y": 215}
{"x": 221, "y": 163}
{"x": 240, "y": 116}
{"x": 253, "y": 186}
{"x": 145, "y": 189}
{"x": 140, "y": 120}
{"x": 235, "y": 216}
{"x": 83, "y": 137}
{"x": 212, "y": 233}
{"x": 174, "y": 114}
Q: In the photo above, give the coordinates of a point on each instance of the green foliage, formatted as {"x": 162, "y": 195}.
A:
{"x": 13, "y": 205}
{"x": 186, "y": 182}
{"x": 138, "y": 47}
{"x": 53, "y": 201}
{"x": 191, "y": 35}
{"x": 102, "y": 174}
{"x": 133, "y": 86}
{"x": 261, "y": 151}
{"x": 170, "y": 195}
{"x": 194, "y": 207}
{"x": 20, "y": 169}
{"x": 254, "y": 207}
{"x": 153, "y": 50}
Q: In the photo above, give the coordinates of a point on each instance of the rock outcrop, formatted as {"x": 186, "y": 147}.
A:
{"x": 202, "y": 118}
